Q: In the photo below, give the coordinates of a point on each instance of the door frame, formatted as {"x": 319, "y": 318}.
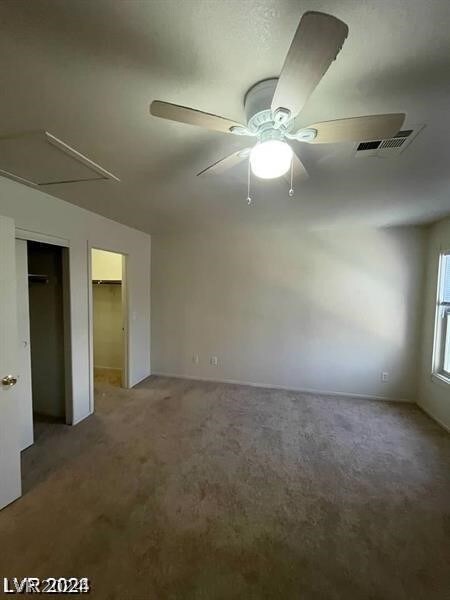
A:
{"x": 125, "y": 320}
{"x": 35, "y": 236}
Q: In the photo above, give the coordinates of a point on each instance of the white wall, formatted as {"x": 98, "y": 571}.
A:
{"x": 434, "y": 395}
{"x": 36, "y": 211}
{"x": 107, "y": 310}
{"x": 107, "y": 326}
{"x": 106, "y": 265}
{"x": 324, "y": 311}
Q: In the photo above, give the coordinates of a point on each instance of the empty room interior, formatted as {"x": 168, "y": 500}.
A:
{"x": 225, "y": 299}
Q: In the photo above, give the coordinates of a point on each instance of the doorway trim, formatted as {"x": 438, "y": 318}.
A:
{"x": 35, "y": 236}
{"x": 125, "y": 320}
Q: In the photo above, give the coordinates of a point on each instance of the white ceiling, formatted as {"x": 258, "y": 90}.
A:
{"x": 87, "y": 71}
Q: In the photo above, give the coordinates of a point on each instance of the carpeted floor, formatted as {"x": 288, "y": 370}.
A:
{"x": 188, "y": 490}
{"x": 111, "y": 376}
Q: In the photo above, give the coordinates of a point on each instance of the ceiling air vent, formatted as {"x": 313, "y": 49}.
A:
{"x": 392, "y": 143}
{"x": 368, "y": 145}
{"x": 389, "y": 147}
{"x": 40, "y": 159}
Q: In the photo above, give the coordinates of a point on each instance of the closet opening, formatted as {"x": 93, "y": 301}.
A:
{"x": 109, "y": 322}
{"x": 43, "y": 327}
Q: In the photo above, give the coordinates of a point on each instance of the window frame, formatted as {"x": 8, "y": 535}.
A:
{"x": 442, "y": 324}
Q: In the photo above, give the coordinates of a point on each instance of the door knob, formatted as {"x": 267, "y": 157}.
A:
{"x": 9, "y": 380}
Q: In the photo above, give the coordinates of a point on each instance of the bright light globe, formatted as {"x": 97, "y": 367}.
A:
{"x": 270, "y": 159}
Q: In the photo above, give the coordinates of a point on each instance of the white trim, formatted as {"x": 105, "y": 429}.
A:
{"x": 102, "y": 173}
{"x": 437, "y": 356}
{"x": 432, "y": 416}
{"x": 53, "y": 240}
{"x": 440, "y": 379}
{"x": 90, "y": 303}
{"x": 143, "y": 379}
{"x": 125, "y": 308}
{"x": 80, "y": 419}
{"x": 67, "y": 320}
{"x": 125, "y": 324}
{"x": 37, "y": 236}
{"x": 87, "y": 162}
{"x": 285, "y": 388}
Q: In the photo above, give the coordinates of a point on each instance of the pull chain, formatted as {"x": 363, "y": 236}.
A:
{"x": 291, "y": 191}
{"x": 249, "y": 198}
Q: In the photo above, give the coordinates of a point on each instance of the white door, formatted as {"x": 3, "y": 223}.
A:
{"x": 23, "y": 390}
{"x": 10, "y": 484}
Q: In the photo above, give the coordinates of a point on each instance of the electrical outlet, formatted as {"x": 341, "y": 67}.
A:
{"x": 384, "y": 376}
{"x": 195, "y": 359}
{"x": 213, "y": 361}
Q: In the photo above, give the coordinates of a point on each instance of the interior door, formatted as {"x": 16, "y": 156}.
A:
{"x": 10, "y": 479}
{"x": 24, "y": 390}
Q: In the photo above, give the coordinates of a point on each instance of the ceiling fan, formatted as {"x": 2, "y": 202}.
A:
{"x": 271, "y": 107}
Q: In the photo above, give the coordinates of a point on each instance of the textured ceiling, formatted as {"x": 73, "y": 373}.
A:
{"x": 87, "y": 71}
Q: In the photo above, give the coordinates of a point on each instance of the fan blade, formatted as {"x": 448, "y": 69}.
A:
{"x": 226, "y": 163}
{"x": 183, "y": 114}
{"x": 317, "y": 42}
{"x": 299, "y": 171}
{"x": 358, "y": 129}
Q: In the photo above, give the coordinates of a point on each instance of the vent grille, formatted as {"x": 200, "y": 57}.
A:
{"x": 368, "y": 145}
{"x": 393, "y": 143}
{"x": 389, "y": 147}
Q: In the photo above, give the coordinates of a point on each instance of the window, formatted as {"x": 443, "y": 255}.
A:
{"x": 442, "y": 336}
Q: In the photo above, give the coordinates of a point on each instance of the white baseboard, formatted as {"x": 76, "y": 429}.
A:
{"x": 140, "y": 380}
{"x": 79, "y": 420}
{"x": 432, "y": 416}
{"x": 281, "y": 387}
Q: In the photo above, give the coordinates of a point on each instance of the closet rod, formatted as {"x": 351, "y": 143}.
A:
{"x": 106, "y": 281}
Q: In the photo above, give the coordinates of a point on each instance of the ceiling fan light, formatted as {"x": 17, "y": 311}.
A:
{"x": 270, "y": 159}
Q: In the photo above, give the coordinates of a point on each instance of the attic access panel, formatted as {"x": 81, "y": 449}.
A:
{"x": 39, "y": 158}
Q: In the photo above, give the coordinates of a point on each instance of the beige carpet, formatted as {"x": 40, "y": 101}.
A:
{"x": 187, "y": 490}
{"x": 111, "y": 376}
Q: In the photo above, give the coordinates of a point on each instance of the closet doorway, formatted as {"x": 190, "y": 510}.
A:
{"x": 109, "y": 322}
{"x": 43, "y": 309}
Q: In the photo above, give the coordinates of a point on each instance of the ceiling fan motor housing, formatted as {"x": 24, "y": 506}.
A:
{"x": 261, "y": 120}
{"x": 259, "y": 97}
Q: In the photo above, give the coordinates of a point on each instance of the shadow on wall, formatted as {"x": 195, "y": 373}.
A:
{"x": 303, "y": 310}
{"x": 337, "y": 275}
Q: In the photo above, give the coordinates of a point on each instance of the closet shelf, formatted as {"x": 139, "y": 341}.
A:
{"x": 36, "y": 278}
